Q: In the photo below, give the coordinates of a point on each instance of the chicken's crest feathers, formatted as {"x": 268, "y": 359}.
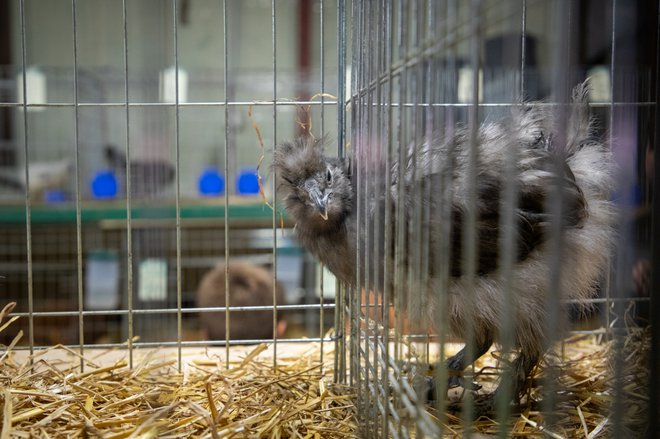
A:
{"x": 297, "y": 160}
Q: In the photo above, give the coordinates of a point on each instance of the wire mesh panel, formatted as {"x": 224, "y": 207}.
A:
{"x": 140, "y": 217}
{"x": 136, "y": 147}
{"x": 493, "y": 204}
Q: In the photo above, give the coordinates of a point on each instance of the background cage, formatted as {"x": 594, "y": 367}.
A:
{"x": 205, "y": 85}
{"x": 92, "y": 267}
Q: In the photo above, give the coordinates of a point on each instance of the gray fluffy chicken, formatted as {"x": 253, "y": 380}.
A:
{"x": 318, "y": 194}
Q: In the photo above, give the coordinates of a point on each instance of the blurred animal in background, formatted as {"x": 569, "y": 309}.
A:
{"x": 44, "y": 176}
{"x": 249, "y": 285}
{"x": 318, "y": 194}
{"x": 148, "y": 177}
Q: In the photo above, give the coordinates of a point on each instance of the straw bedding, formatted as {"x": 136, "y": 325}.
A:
{"x": 47, "y": 395}
{"x": 52, "y": 398}
{"x": 583, "y": 391}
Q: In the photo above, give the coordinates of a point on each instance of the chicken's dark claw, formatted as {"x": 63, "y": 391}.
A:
{"x": 459, "y": 381}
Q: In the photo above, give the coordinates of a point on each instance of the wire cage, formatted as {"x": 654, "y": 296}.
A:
{"x": 414, "y": 86}
{"x": 120, "y": 236}
{"x": 135, "y": 151}
{"x": 139, "y": 212}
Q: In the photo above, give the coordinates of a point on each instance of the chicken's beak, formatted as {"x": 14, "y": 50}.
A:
{"x": 321, "y": 203}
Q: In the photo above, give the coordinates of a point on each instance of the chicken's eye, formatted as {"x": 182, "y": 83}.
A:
{"x": 328, "y": 176}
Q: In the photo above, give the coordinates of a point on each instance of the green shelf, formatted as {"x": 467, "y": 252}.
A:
{"x": 239, "y": 209}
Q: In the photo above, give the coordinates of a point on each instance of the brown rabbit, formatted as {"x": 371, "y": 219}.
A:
{"x": 249, "y": 285}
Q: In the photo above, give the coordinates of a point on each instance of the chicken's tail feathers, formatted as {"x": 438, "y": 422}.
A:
{"x": 579, "y": 120}
{"x": 576, "y": 127}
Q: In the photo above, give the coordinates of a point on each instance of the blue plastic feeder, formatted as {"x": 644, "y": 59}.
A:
{"x": 55, "y": 196}
{"x": 247, "y": 182}
{"x": 104, "y": 185}
{"x": 211, "y": 183}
